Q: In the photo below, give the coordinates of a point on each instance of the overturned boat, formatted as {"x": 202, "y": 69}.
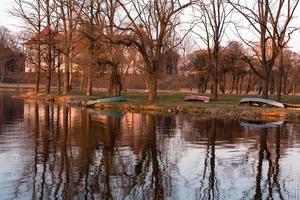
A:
{"x": 261, "y": 102}
{"x": 197, "y": 98}
{"x": 106, "y": 100}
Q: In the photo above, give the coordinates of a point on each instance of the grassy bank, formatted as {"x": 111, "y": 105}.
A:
{"x": 226, "y": 106}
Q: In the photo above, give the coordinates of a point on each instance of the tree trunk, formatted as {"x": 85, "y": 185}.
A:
{"x": 265, "y": 87}
{"x": 201, "y": 88}
{"x": 215, "y": 83}
{"x": 37, "y": 82}
{"x": 223, "y": 83}
{"x": 66, "y": 88}
{"x": 115, "y": 85}
{"x": 279, "y": 75}
{"x": 59, "y": 80}
{"x": 119, "y": 86}
{"x": 114, "y": 80}
{"x": 294, "y": 88}
{"x": 49, "y": 49}
{"x": 249, "y": 84}
{"x": 233, "y": 83}
{"x": 272, "y": 84}
{"x": 215, "y": 68}
{"x": 38, "y": 71}
{"x": 237, "y": 84}
{"x": 285, "y": 84}
{"x": 200, "y": 85}
{"x": 3, "y": 71}
{"x": 109, "y": 84}
{"x": 81, "y": 80}
{"x": 49, "y": 71}
{"x": 71, "y": 74}
{"x": 48, "y": 84}
{"x": 205, "y": 85}
{"x": 152, "y": 87}
{"x": 89, "y": 83}
{"x": 241, "y": 84}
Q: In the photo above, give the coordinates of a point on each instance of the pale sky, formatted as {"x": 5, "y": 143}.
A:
{"x": 14, "y": 24}
{"x": 5, "y": 18}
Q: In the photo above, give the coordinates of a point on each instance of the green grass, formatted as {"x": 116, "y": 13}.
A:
{"x": 172, "y": 99}
{"x": 224, "y": 100}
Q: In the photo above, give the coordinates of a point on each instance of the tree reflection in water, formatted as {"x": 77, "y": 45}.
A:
{"x": 272, "y": 182}
{"x": 77, "y": 154}
{"x": 209, "y": 174}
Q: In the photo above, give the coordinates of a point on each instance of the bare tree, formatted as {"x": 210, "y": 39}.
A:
{"x": 185, "y": 50}
{"x": 258, "y": 16}
{"x": 31, "y": 13}
{"x": 97, "y": 26}
{"x": 69, "y": 12}
{"x": 150, "y": 26}
{"x": 88, "y": 30}
{"x": 214, "y": 17}
{"x": 112, "y": 57}
{"x": 281, "y": 20}
{"x": 39, "y": 16}
{"x": 49, "y": 43}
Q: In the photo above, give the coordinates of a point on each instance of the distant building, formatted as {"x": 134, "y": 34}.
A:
{"x": 31, "y": 49}
{"x": 12, "y": 60}
{"x": 15, "y": 62}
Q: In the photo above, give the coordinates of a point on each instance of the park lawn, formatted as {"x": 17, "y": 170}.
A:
{"x": 224, "y": 100}
{"x": 168, "y": 99}
{"x": 226, "y": 103}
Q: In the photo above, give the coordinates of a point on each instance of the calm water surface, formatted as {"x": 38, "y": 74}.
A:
{"x": 59, "y": 152}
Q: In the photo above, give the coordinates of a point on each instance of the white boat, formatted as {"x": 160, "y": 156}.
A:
{"x": 261, "y": 102}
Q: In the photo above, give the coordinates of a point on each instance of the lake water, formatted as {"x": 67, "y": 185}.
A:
{"x": 59, "y": 152}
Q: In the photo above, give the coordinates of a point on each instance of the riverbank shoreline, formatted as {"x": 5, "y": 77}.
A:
{"x": 226, "y": 107}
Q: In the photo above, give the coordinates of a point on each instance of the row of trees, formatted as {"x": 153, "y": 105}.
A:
{"x": 268, "y": 20}
{"x": 98, "y": 34}
{"x": 236, "y": 76}
{"x": 109, "y": 36}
